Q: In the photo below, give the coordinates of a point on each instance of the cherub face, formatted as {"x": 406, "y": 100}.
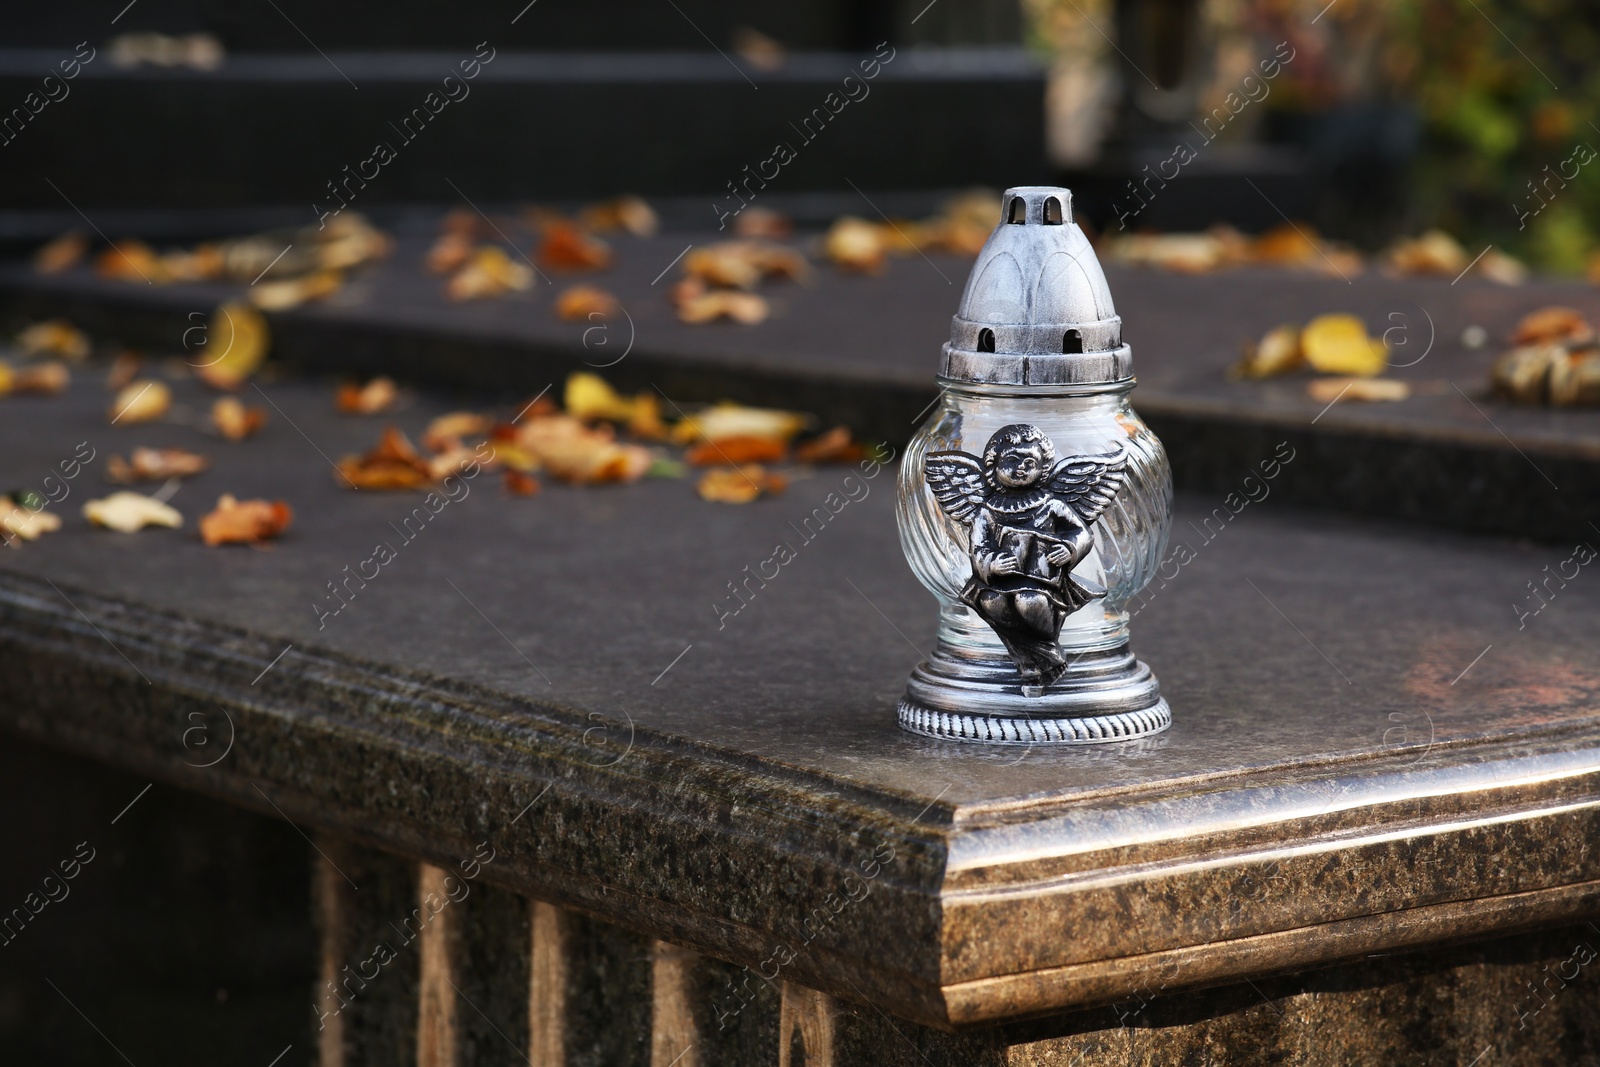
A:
{"x": 1020, "y": 466}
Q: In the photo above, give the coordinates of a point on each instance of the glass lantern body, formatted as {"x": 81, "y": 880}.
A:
{"x": 1130, "y": 537}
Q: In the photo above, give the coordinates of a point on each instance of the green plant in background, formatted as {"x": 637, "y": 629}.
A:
{"x": 1506, "y": 92}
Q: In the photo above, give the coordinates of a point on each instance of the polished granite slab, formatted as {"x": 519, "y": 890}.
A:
{"x": 863, "y": 350}
{"x": 1382, "y": 736}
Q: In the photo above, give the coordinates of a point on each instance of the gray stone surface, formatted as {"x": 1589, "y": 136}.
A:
{"x": 863, "y": 350}
{"x": 1353, "y": 704}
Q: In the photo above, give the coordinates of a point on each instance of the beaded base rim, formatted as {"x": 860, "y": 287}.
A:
{"x": 1016, "y": 730}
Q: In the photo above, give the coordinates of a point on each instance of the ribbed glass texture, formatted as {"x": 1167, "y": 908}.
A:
{"x": 1130, "y": 538}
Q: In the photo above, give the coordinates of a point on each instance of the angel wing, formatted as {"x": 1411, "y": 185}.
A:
{"x": 1088, "y": 484}
{"x": 956, "y": 479}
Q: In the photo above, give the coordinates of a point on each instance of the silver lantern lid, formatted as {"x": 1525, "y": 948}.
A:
{"x": 1036, "y": 310}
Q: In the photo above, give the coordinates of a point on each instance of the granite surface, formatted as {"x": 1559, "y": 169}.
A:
{"x": 863, "y": 350}
{"x": 1380, "y": 722}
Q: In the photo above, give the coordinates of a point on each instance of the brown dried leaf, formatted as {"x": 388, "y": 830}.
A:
{"x": 744, "y": 308}
{"x": 245, "y": 522}
{"x": 394, "y": 464}
{"x": 374, "y": 398}
{"x": 567, "y": 248}
{"x": 40, "y": 379}
{"x": 54, "y": 337}
{"x": 292, "y": 292}
{"x": 155, "y": 465}
{"x": 1563, "y": 325}
{"x": 450, "y": 252}
{"x": 583, "y": 301}
{"x": 835, "y": 446}
{"x": 1575, "y": 380}
{"x": 234, "y": 421}
{"x": 579, "y": 454}
{"x": 445, "y": 432}
{"x": 732, "y": 451}
{"x": 739, "y": 485}
{"x": 490, "y": 272}
{"x": 131, "y": 261}
{"x": 61, "y": 254}
{"x": 141, "y": 400}
{"x": 1327, "y": 390}
{"x": 762, "y": 222}
{"x": 856, "y": 245}
{"x": 1278, "y": 352}
{"x": 627, "y": 213}
{"x": 1435, "y": 252}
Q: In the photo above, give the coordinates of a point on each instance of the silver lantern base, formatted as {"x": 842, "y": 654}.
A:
{"x": 1104, "y": 696}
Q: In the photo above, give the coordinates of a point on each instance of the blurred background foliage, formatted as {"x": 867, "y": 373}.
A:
{"x": 1493, "y": 104}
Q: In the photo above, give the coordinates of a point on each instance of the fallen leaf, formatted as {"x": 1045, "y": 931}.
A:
{"x": 54, "y": 337}
{"x": 141, "y": 400}
{"x": 581, "y": 302}
{"x": 1498, "y": 267}
{"x": 155, "y": 465}
{"x": 19, "y": 522}
{"x": 1435, "y": 252}
{"x": 627, "y": 213}
{"x": 1338, "y": 344}
{"x": 520, "y": 484}
{"x": 835, "y": 446}
{"x": 1523, "y": 374}
{"x": 348, "y": 240}
{"x": 245, "y": 522}
{"x": 394, "y": 464}
{"x": 731, "y": 451}
{"x": 237, "y": 340}
{"x": 204, "y": 263}
{"x": 1278, "y": 352}
{"x": 450, "y": 252}
{"x": 374, "y": 398}
{"x": 728, "y": 263}
{"x": 756, "y": 48}
{"x": 1327, "y": 390}
{"x": 445, "y": 432}
{"x": 131, "y": 261}
{"x": 762, "y": 222}
{"x": 454, "y": 460}
{"x": 739, "y": 485}
{"x": 1575, "y": 380}
{"x": 579, "y": 454}
{"x": 744, "y": 308}
{"x": 1183, "y": 253}
{"x": 490, "y": 272}
{"x": 292, "y": 292}
{"x": 735, "y": 420}
{"x": 646, "y": 422}
{"x": 1558, "y": 324}
{"x": 234, "y": 421}
{"x": 61, "y": 254}
{"x": 40, "y": 379}
{"x": 128, "y": 512}
{"x": 590, "y": 397}
{"x": 856, "y": 245}
{"x": 567, "y": 248}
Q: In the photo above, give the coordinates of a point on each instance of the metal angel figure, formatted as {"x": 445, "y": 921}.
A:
{"x": 1028, "y": 518}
